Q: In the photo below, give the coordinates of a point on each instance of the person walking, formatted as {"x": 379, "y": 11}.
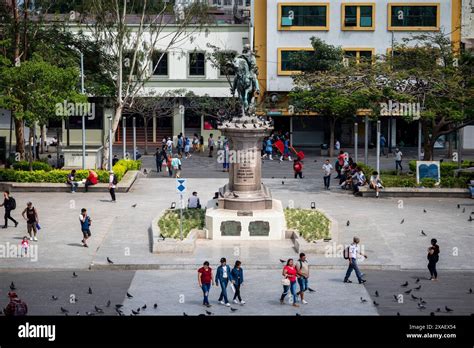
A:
{"x": 433, "y": 258}
{"x": 160, "y": 154}
{"x": 9, "y": 204}
{"x": 210, "y": 144}
{"x": 205, "y": 281}
{"x": 383, "y": 141}
{"x": 201, "y": 144}
{"x": 169, "y": 166}
{"x": 176, "y": 165}
{"x": 112, "y": 185}
{"x": 286, "y": 150}
{"x": 32, "y": 220}
{"x": 223, "y": 275}
{"x": 302, "y": 272}
{"x": 86, "y": 222}
{"x": 180, "y": 145}
{"x": 398, "y": 159}
{"x": 226, "y": 164}
{"x": 195, "y": 143}
{"x": 71, "y": 180}
{"x": 353, "y": 253}
{"x": 187, "y": 147}
{"x": 327, "y": 170}
{"x": 237, "y": 281}
{"x": 289, "y": 282}
{"x": 268, "y": 149}
{"x": 25, "y": 244}
{"x": 298, "y": 168}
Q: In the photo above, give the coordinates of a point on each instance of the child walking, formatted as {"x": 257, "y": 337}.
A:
{"x": 24, "y": 246}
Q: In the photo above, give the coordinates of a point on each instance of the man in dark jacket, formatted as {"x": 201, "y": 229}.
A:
{"x": 223, "y": 276}
{"x": 9, "y": 204}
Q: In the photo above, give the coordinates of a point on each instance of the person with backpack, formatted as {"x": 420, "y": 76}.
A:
{"x": 112, "y": 185}
{"x": 351, "y": 253}
{"x": 16, "y": 307}
{"x": 32, "y": 220}
{"x": 86, "y": 222}
{"x": 433, "y": 258}
{"x": 298, "y": 168}
{"x": 10, "y": 204}
{"x": 302, "y": 272}
{"x": 223, "y": 276}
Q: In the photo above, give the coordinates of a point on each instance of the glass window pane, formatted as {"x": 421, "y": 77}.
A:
{"x": 303, "y": 16}
{"x": 288, "y": 62}
{"x": 365, "y": 16}
{"x": 414, "y": 16}
{"x": 196, "y": 64}
{"x": 162, "y": 68}
{"x": 350, "y": 18}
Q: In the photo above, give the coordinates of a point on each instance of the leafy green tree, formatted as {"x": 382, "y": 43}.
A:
{"x": 33, "y": 89}
{"x": 329, "y": 87}
{"x": 425, "y": 69}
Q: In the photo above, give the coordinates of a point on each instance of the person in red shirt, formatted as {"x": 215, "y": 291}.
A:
{"x": 298, "y": 168}
{"x": 289, "y": 274}
{"x": 91, "y": 180}
{"x": 205, "y": 280}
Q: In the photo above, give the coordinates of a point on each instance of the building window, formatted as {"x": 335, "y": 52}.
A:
{"x": 286, "y": 63}
{"x": 413, "y": 17}
{"x": 306, "y": 16}
{"x": 197, "y": 64}
{"x": 162, "y": 68}
{"x": 358, "y": 16}
{"x": 359, "y": 55}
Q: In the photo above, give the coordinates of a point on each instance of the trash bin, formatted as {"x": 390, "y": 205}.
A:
{"x": 324, "y": 150}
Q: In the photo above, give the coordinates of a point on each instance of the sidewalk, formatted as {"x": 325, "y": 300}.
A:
{"x": 122, "y": 232}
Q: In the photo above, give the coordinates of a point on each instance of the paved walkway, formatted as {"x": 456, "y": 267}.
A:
{"x": 122, "y": 232}
{"x": 177, "y": 291}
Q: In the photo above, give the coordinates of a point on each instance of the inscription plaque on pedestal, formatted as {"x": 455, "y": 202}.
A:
{"x": 259, "y": 228}
{"x": 231, "y": 228}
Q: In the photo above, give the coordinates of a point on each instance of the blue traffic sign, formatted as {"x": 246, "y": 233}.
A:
{"x": 181, "y": 185}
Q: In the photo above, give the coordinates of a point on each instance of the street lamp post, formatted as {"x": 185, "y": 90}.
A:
{"x": 110, "y": 142}
{"x": 366, "y": 141}
{"x": 378, "y": 146}
{"x": 356, "y": 140}
{"x": 134, "y": 139}
{"x": 124, "y": 137}
{"x": 83, "y": 116}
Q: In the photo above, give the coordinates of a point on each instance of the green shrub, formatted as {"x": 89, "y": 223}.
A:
{"x": 452, "y": 182}
{"x": 428, "y": 182}
{"x": 60, "y": 176}
{"x": 37, "y": 165}
{"x": 311, "y": 224}
{"x": 398, "y": 181}
{"x": 192, "y": 219}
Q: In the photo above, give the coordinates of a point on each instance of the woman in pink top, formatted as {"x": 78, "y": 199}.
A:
{"x": 289, "y": 272}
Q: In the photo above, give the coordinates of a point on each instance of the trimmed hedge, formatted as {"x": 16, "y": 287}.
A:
{"x": 60, "y": 176}
{"x": 192, "y": 218}
{"x": 37, "y": 165}
{"x": 311, "y": 224}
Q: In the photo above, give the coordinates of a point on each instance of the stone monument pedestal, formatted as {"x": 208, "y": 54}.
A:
{"x": 267, "y": 224}
{"x": 245, "y": 209}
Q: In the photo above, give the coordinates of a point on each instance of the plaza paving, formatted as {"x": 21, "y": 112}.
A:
{"x": 122, "y": 233}
{"x": 176, "y": 292}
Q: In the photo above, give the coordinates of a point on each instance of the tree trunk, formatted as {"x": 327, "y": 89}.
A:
{"x": 115, "y": 123}
{"x": 145, "y": 122}
{"x": 20, "y": 138}
{"x": 43, "y": 138}
{"x": 332, "y": 129}
{"x": 32, "y": 146}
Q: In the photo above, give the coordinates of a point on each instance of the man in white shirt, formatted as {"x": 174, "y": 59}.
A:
{"x": 354, "y": 252}
{"x": 169, "y": 146}
{"x": 398, "y": 159}
{"x": 327, "y": 169}
{"x": 193, "y": 201}
{"x": 112, "y": 185}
